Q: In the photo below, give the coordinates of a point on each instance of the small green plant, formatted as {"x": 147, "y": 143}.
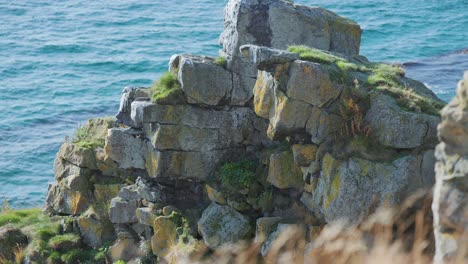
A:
{"x": 237, "y": 175}
{"x": 54, "y": 257}
{"x": 72, "y": 256}
{"x": 408, "y": 100}
{"x": 385, "y": 74}
{"x": 314, "y": 55}
{"x": 57, "y": 241}
{"x": 82, "y": 138}
{"x": 46, "y": 231}
{"x": 183, "y": 227}
{"x": 119, "y": 262}
{"x": 221, "y": 61}
{"x": 167, "y": 89}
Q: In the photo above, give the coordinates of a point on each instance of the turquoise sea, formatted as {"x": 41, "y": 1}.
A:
{"x": 62, "y": 62}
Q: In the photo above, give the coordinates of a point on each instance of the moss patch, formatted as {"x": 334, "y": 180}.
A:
{"x": 221, "y": 61}
{"x": 81, "y": 138}
{"x": 408, "y": 100}
{"x": 62, "y": 242}
{"x": 237, "y": 175}
{"x": 167, "y": 90}
{"x": 47, "y": 242}
{"x": 183, "y": 227}
{"x": 314, "y": 55}
{"x": 92, "y": 134}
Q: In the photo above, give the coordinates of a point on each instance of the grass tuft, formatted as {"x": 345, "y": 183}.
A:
{"x": 410, "y": 101}
{"x": 381, "y": 76}
{"x": 314, "y": 55}
{"x": 59, "y": 241}
{"x": 221, "y": 61}
{"x": 237, "y": 175}
{"x": 82, "y": 139}
{"x": 22, "y": 217}
{"x": 167, "y": 90}
{"x": 72, "y": 256}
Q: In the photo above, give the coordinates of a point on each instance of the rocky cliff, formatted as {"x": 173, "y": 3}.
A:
{"x": 288, "y": 126}
{"x": 450, "y": 204}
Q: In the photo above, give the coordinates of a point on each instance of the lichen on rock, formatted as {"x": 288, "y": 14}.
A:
{"x": 298, "y": 138}
{"x": 450, "y": 204}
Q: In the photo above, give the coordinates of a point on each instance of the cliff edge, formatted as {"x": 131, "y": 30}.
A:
{"x": 288, "y": 127}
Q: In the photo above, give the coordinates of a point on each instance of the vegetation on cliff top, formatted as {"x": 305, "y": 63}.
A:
{"x": 380, "y": 76}
{"x": 167, "y": 90}
{"x": 47, "y": 239}
{"x": 81, "y": 138}
{"x": 92, "y": 134}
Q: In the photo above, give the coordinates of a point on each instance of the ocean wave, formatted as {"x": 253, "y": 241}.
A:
{"x": 62, "y": 48}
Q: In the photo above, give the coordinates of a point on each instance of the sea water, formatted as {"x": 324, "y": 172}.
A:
{"x": 63, "y": 62}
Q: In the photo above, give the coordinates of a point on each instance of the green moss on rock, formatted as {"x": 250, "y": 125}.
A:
{"x": 167, "y": 90}
{"x": 64, "y": 242}
{"x": 221, "y": 61}
{"x": 383, "y": 77}
{"x": 237, "y": 175}
{"x": 92, "y": 134}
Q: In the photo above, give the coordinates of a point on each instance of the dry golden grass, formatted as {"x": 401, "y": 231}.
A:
{"x": 402, "y": 234}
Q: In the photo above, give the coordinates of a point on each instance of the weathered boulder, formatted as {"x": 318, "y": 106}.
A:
{"x": 202, "y": 80}
{"x": 123, "y": 211}
{"x": 265, "y": 58}
{"x": 78, "y": 156}
{"x": 193, "y": 116}
{"x": 189, "y": 142}
{"x": 95, "y": 228}
{"x": 348, "y": 189}
{"x": 129, "y": 94}
{"x": 311, "y": 83}
{"x": 264, "y": 226}
{"x": 242, "y": 89}
{"x": 165, "y": 236}
{"x": 185, "y": 165}
{"x": 322, "y": 125}
{"x": 396, "y": 128}
{"x": 283, "y": 172}
{"x": 127, "y": 249}
{"x": 277, "y": 24}
{"x": 276, "y": 237}
{"x": 146, "y": 216}
{"x": 304, "y": 154}
{"x": 126, "y": 147}
{"x": 222, "y": 225}
{"x": 450, "y": 205}
{"x": 63, "y": 200}
{"x": 293, "y": 96}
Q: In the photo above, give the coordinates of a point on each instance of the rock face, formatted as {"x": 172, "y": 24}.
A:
{"x": 363, "y": 182}
{"x": 222, "y": 224}
{"x": 397, "y": 129}
{"x": 279, "y": 23}
{"x": 304, "y": 136}
{"x": 450, "y": 204}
